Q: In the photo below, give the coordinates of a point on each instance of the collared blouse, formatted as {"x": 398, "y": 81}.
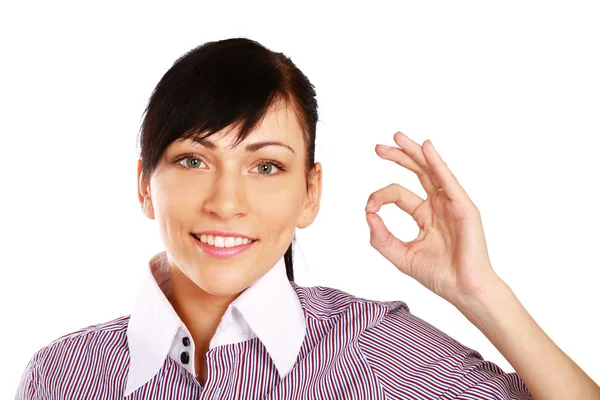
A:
{"x": 277, "y": 340}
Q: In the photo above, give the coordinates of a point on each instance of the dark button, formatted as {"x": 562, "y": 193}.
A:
{"x": 186, "y": 341}
{"x": 185, "y": 357}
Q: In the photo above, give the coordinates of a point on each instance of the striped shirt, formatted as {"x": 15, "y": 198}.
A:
{"x": 347, "y": 348}
{"x": 268, "y": 309}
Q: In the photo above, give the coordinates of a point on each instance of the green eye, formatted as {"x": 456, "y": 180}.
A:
{"x": 269, "y": 167}
{"x": 192, "y": 162}
{"x": 265, "y": 167}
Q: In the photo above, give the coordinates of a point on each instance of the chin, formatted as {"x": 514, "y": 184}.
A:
{"x": 224, "y": 290}
{"x": 224, "y": 286}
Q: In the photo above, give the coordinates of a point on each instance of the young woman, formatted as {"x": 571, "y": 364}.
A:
{"x": 227, "y": 170}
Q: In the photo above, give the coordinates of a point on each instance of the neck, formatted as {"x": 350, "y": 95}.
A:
{"x": 201, "y": 312}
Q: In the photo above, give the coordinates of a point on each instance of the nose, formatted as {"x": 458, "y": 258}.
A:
{"x": 226, "y": 197}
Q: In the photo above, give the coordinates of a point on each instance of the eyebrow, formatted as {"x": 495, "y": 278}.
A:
{"x": 252, "y": 147}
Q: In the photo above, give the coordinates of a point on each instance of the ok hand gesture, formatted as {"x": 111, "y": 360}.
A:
{"x": 450, "y": 255}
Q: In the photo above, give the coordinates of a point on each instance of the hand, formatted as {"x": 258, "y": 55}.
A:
{"x": 449, "y": 256}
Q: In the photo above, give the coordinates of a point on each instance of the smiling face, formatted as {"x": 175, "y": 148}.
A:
{"x": 261, "y": 194}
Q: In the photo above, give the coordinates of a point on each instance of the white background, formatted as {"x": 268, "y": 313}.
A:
{"x": 507, "y": 91}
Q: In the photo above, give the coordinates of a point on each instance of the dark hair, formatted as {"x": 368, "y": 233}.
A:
{"x": 222, "y": 83}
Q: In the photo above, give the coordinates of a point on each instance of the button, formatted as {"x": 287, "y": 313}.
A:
{"x": 186, "y": 341}
{"x": 185, "y": 357}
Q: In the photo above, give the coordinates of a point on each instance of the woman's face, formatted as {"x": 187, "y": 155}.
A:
{"x": 198, "y": 188}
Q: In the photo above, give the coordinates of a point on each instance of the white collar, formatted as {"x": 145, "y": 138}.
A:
{"x": 155, "y": 331}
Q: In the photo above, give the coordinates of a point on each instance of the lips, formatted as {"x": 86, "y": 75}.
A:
{"x": 223, "y": 234}
{"x": 222, "y": 252}
{"x": 197, "y": 236}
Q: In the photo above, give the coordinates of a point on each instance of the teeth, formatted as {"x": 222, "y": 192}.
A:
{"x": 222, "y": 241}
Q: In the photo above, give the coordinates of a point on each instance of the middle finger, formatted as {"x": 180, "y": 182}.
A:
{"x": 400, "y": 157}
{"x": 415, "y": 151}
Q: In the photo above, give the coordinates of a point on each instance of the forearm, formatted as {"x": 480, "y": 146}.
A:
{"x": 545, "y": 369}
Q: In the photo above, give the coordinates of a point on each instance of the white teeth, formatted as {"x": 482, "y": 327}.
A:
{"x": 221, "y": 241}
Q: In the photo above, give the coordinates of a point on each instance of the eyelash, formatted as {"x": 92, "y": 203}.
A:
{"x": 265, "y": 161}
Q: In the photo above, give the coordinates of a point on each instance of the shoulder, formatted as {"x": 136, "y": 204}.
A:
{"x": 327, "y": 303}
{"x": 411, "y": 357}
{"x": 95, "y": 337}
{"x": 401, "y": 337}
{"x": 405, "y": 330}
{"x": 80, "y": 353}
{"x": 388, "y": 320}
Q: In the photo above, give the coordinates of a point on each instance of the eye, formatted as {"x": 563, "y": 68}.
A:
{"x": 265, "y": 167}
{"x": 269, "y": 164}
{"x": 193, "y": 161}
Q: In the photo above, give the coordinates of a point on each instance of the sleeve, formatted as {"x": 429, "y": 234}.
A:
{"x": 411, "y": 358}
{"x": 476, "y": 378}
{"x": 27, "y": 389}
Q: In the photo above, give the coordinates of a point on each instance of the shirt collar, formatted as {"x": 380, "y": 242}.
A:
{"x": 155, "y": 331}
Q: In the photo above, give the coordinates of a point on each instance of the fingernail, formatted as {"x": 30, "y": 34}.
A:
{"x": 370, "y": 205}
{"x": 368, "y": 223}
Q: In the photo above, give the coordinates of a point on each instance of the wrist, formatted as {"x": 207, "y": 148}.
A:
{"x": 481, "y": 306}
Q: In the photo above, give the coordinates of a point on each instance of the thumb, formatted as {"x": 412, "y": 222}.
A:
{"x": 392, "y": 248}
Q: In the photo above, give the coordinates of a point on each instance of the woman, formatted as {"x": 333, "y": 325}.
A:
{"x": 227, "y": 170}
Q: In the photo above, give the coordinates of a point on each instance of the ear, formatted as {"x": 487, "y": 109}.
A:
{"x": 313, "y": 198}
{"x": 144, "y": 192}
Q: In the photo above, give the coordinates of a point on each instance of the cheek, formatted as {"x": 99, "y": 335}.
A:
{"x": 278, "y": 207}
{"x": 172, "y": 201}
{"x": 284, "y": 192}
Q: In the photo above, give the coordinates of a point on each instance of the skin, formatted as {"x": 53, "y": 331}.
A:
{"x": 450, "y": 258}
{"x": 228, "y": 189}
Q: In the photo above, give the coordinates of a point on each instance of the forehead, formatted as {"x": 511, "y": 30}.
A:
{"x": 278, "y": 124}
{"x": 280, "y": 120}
